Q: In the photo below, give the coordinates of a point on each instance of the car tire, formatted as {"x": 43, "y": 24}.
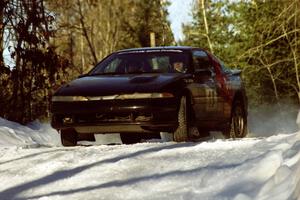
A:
{"x": 130, "y": 138}
{"x": 238, "y": 122}
{"x": 68, "y": 137}
{"x": 181, "y": 133}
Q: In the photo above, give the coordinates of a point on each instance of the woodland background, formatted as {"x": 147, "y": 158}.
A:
{"x": 52, "y": 42}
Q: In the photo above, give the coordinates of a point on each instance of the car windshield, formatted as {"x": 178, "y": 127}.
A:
{"x": 143, "y": 62}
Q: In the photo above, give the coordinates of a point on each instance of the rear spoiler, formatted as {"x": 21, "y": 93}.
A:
{"x": 236, "y": 72}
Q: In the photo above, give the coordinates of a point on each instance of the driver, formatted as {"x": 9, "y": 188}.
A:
{"x": 178, "y": 66}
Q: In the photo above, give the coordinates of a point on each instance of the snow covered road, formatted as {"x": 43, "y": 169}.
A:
{"x": 33, "y": 165}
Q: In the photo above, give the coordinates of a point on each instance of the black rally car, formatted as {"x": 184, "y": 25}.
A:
{"x": 145, "y": 91}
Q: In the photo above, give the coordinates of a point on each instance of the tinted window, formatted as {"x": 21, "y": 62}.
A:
{"x": 112, "y": 66}
{"x": 201, "y": 60}
{"x": 223, "y": 67}
{"x": 143, "y": 62}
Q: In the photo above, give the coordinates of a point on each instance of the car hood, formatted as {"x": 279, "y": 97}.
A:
{"x": 118, "y": 84}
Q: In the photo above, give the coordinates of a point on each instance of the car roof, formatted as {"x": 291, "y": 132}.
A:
{"x": 162, "y": 48}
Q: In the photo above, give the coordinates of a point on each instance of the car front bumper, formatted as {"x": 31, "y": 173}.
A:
{"x": 115, "y": 116}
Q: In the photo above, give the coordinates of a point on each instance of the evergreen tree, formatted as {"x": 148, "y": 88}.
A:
{"x": 143, "y": 18}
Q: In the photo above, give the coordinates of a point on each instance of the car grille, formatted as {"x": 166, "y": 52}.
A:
{"x": 123, "y": 117}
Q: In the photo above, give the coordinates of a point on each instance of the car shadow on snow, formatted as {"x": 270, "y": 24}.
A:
{"x": 14, "y": 192}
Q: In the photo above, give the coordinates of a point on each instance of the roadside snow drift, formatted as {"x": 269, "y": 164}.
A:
{"x": 33, "y": 165}
{"x": 36, "y": 134}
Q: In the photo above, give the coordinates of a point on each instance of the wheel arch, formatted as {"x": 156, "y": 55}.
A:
{"x": 241, "y": 97}
{"x": 188, "y": 94}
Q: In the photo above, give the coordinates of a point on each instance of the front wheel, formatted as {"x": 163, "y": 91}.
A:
{"x": 68, "y": 137}
{"x": 238, "y": 122}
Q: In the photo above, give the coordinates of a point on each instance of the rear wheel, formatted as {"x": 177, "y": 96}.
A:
{"x": 181, "y": 133}
{"x": 130, "y": 138}
{"x": 238, "y": 123}
{"x": 68, "y": 137}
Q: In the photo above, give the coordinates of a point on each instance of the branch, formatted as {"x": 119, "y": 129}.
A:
{"x": 295, "y": 59}
{"x": 255, "y": 49}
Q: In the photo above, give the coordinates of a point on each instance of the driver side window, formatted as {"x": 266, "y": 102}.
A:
{"x": 112, "y": 66}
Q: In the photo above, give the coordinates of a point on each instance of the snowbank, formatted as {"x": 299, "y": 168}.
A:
{"x": 33, "y": 135}
{"x": 298, "y": 120}
{"x": 277, "y": 172}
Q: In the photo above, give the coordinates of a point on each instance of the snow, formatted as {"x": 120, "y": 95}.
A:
{"x": 36, "y": 134}
{"x": 298, "y": 119}
{"x": 34, "y": 165}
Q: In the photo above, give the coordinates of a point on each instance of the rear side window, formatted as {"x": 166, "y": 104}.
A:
{"x": 201, "y": 60}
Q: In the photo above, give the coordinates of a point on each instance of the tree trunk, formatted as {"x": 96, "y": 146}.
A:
{"x": 296, "y": 50}
{"x": 206, "y": 25}
{"x": 274, "y": 84}
{"x": 1, "y": 32}
{"x": 85, "y": 33}
{"x": 81, "y": 70}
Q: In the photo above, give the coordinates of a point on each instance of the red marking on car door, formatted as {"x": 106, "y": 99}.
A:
{"x": 224, "y": 84}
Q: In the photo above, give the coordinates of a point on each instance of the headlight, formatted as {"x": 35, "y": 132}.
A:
{"x": 162, "y": 95}
{"x": 111, "y": 97}
{"x": 69, "y": 98}
{"x": 145, "y": 96}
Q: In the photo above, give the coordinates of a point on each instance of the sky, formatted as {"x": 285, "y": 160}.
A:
{"x": 179, "y": 13}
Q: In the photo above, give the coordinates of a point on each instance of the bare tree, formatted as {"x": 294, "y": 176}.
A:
{"x": 280, "y": 33}
{"x": 85, "y": 32}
